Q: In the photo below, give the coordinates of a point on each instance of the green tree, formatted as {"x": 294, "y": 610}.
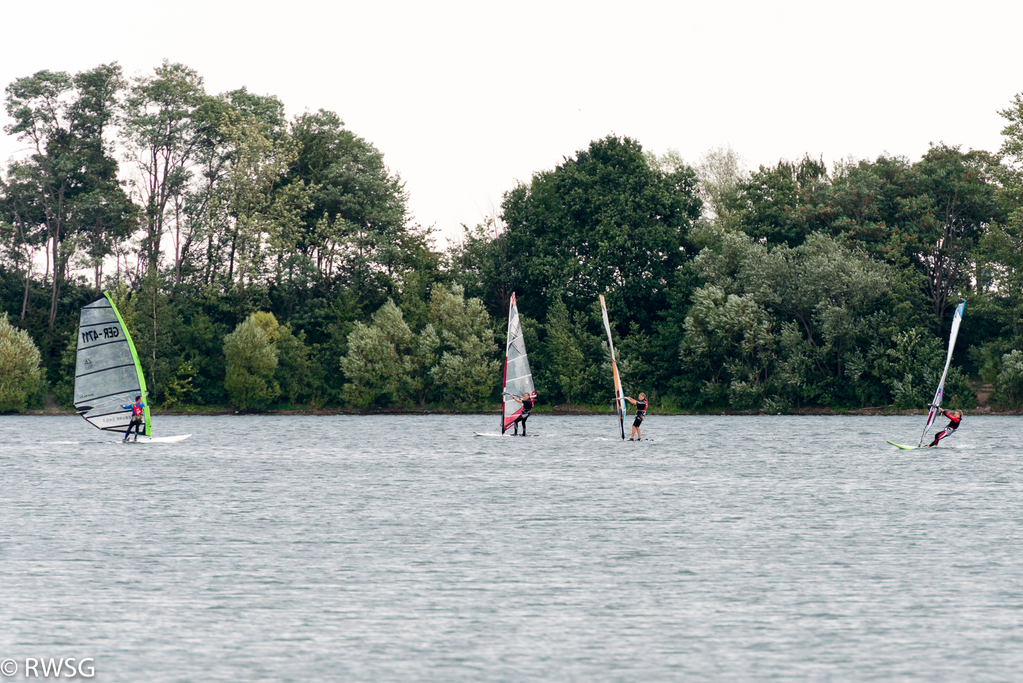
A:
{"x": 730, "y": 341}
{"x": 251, "y": 361}
{"x": 827, "y": 300}
{"x": 64, "y": 389}
{"x": 466, "y": 371}
{"x": 909, "y": 368}
{"x": 603, "y": 222}
{"x": 381, "y": 364}
{"x": 68, "y": 183}
{"x": 296, "y": 367}
{"x": 765, "y": 205}
{"x": 20, "y": 377}
{"x": 179, "y": 391}
{"x": 722, "y": 172}
{"x": 266, "y": 221}
{"x": 163, "y": 136}
{"x": 22, "y": 230}
{"x": 567, "y": 369}
{"x": 200, "y": 339}
{"x": 1008, "y": 391}
{"x": 962, "y": 205}
{"x": 928, "y": 215}
{"x": 1010, "y": 172}
{"x": 479, "y": 263}
{"x": 358, "y": 209}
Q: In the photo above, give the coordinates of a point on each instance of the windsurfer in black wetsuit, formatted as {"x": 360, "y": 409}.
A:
{"x": 640, "y": 414}
{"x": 527, "y": 405}
{"x": 956, "y": 416}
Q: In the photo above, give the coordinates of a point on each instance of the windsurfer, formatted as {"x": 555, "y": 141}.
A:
{"x": 956, "y": 416}
{"x": 138, "y": 417}
{"x": 640, "y": 404}
{"x": 527, "y": 405}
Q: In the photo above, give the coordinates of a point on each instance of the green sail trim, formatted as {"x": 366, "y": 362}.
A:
{"x": 138, "y": 365}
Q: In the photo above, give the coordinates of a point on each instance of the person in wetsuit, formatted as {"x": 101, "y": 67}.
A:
{"x": 138, "y": 417}
{"x": 956, "y": 416}
{"x": 527, "y": 405}
{"x": 640, "y": 404}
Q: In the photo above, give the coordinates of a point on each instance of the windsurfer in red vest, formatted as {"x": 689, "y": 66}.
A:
{"x": 640, "y": 414}
{"x": 138, "y": 417}
{"x": 527, "y": 405}
{"x": 956, "y": 416}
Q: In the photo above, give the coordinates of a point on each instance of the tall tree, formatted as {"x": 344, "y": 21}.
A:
{"x": 466, "y": 370}
{"x": 1012, "y": 158}
{"x": 928, "y": 215}
{"x": 359, "y": 208}
{"x": 69, "y": 181}
{"x": 765, "y": 204}
{"x": 721, "y": 171}
{"x": 22, "y": 229}
{"x": 163, "y": 130}
{"x": 265, "y": 218}
{"x": 962, "y": 203}
{"x": 605, "y": 221}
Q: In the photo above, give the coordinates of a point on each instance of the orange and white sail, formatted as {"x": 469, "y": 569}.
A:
{"x": 619, "y": 395}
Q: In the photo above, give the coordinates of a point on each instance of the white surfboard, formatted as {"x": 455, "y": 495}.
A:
{"x": 500, "y": 435}
{"x": 159, "y": 439}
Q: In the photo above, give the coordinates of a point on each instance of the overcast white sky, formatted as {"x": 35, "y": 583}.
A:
{"x": 465, "y": 98}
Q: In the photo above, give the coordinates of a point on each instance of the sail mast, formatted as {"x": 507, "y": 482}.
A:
{"x": 935, "y": 408}
{"x": 619, "y": 395}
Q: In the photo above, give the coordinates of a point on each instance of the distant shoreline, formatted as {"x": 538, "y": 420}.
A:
{"x": 554, "y": 411}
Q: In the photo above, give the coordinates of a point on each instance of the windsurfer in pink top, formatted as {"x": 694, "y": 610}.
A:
{"x": 956, "y": 416}
{"x": 527, "y": 406}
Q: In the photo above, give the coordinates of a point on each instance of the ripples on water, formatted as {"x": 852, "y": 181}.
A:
{"x": 403, "y": 548}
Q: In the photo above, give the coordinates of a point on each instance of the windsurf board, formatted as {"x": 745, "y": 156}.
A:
{"x": 159, "y": 439}
{"x": 907, "y": 448}
{"x": 495, "y": 434}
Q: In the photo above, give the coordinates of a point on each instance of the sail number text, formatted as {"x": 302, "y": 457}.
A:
{"x": 105, "y": 333}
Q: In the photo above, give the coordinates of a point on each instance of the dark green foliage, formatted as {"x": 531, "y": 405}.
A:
{"x": 767, "y": 205}
{"x": 604, "y": 222}
{"x": 273, "y": 263}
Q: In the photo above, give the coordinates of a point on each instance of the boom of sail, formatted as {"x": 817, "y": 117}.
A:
{"x": 107, "y": 372}
{"x": 619, "y": 395}
{"x": 935, "y": 410}
{"x": 518, "y": 380}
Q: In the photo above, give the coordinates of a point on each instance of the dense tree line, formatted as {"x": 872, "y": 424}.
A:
{"x": 261, "y": 261}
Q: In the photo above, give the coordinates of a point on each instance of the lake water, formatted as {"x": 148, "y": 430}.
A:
{"x": 403, "y": 548}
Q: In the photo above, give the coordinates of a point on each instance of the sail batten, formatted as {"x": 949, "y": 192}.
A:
{"x": 619, "y": 394}
{"x": 939, "y": 395}
{"x": 107, "y": 370}
{"x": 518, "y": 378}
